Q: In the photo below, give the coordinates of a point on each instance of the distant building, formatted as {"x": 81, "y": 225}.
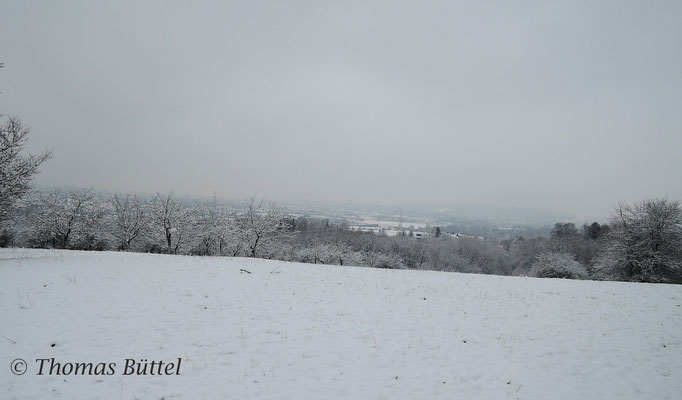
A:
{"x": 420, "y": 235}
{"x": 457, "y": 235}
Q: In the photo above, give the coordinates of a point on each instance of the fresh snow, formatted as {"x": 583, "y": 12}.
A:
{"x": 301, "y": 331}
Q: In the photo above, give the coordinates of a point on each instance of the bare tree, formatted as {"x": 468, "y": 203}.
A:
{"x": 129, "y": 218}
{"x": 216, "y": 233}
{"x": 234, "y": 243}
{"x": 16, "y": 168}
{"x": 645, "y": 243}
{"x": 260, "y": 225}
{"x": 174, "y": 220}
{"x": 65, "y": 216}
{"x": 323, "y": 254}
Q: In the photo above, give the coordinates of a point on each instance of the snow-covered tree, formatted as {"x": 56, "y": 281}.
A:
{"x": 216, "y": 234}
{"x": 16, "y": 168}
{"x": 381, "y": 260}
{"x": 318, "y": 254}
{"x": 259, "y": 226}
{"x": 66, "y": 216}
{"x": 129, "y": 219}
{"x": 172, "y": 220}
{"x": 645, "y": 243}
{"x": 323, "y": 253}
{"x": 489, "y": 256}
{"x": 415, "y": 253}
{"x": 524, "y": 252}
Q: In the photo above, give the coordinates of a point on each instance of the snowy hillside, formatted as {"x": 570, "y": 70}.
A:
{"x": 301, "y": 331}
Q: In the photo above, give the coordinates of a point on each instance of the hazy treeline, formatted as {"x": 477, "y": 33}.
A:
{"x": 642, "y": 242}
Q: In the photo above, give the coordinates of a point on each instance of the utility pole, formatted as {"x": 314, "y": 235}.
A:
{"x": 401, "y": 222}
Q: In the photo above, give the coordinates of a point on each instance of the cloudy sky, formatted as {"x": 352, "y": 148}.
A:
{"x": 567, "y": 106}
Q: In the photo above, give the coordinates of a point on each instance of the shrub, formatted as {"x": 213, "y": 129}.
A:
{"x": 557, "y": 265}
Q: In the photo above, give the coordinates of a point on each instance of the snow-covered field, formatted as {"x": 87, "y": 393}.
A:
{"x": 300, "y": 331}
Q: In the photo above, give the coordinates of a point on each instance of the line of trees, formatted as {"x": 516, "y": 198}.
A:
{"x": 83, "y": 221}
{"x": 643, "y": 242}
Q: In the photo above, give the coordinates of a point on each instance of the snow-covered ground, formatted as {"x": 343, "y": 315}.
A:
{"x": 300, "y": 331}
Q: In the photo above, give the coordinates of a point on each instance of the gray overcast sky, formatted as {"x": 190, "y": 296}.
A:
{"x": 568, "y": 106}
